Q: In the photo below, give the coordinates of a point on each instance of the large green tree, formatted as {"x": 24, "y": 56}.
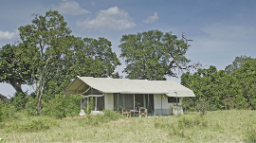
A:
{"x": 246, "y": 75}
{"x": 47, "y": 36}
{"x": 153, "y": 55}
{"x": 94, "y": 58}
{"x": 57, "y": 56}
{"x": 88, "y": 57}
{"x": 236, "y": 64}
{"x": 15, "y": 66}
{"x": 218, "y": 88}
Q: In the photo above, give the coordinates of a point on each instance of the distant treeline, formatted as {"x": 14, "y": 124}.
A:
{"x": 234, "y": 87}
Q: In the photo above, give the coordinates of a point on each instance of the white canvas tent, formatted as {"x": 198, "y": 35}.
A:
{"x": 4, "y": 99}
{"x": 112, "y": 93}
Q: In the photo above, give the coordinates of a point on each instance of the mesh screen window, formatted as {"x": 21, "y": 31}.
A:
{"x": 173, "y": 100}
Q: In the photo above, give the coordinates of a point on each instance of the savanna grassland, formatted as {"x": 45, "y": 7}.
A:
{"x": 215, "y": 126}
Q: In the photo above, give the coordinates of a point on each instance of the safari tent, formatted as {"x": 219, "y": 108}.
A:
{"x": 4, "y": 99}
{"x": 108, "y": 93}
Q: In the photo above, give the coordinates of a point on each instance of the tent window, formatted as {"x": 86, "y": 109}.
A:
{"x": 123, "y": 101}
{"x": 173, "y": 100}
{"x": 100, "y": 103}
{"x": 128, "y": 101}
{"x": 146, "y": 101}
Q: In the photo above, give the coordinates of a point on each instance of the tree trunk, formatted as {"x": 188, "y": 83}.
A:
{"x": 39, "y": 93}
{"x": 17, "y": 87}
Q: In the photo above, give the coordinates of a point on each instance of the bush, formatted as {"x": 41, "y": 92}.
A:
{"x": 90, "y": 107}
{"x": 250, "y": 135}
{"x": 7, "y": 111}
{"x": 62, "y": 106}
{"x": 33, "y": 125}
{"x": 186, "y": 123}
{"x": 19, "y": 101}
{"x": 31, "y": 106}
{"x": 202, "y": 106}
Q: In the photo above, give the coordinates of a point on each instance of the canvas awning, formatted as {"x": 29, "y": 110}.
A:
{"x": 127, "y": 86}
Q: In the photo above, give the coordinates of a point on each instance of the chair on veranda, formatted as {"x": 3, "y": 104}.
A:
{"x": 143, "y": 112}
{"x": 126, "y": 112}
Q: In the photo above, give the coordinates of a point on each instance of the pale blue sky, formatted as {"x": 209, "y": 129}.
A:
{"x": 221, "y": 30}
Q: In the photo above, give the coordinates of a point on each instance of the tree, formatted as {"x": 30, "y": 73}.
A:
{"x": 15, "y": 67}
{"x": 47, "y": 36}
{"x": 48, "y": 56}
{"x": 153, "y": 55}
{"x": 218, "y": 88}
{"x": 236, "y": 64}
{"x": 246, "y": 76}
{"x": 88, "y": 57}
{"x": 94, "y": 58}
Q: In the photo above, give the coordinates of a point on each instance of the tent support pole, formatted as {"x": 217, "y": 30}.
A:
{"x": 148, "y": 103}
{"x": 118, "y": 101}
{"x": 103, "y": 101}
{"x": 161, "y": 106}
{"x": 87, "y": 101}
{"x": 96, "y": 103}
{"x": 134, "y": 101}
{"x": 123, "y": 101}
{"x": 81, "y": 104}
{"x": 144, "y": 100}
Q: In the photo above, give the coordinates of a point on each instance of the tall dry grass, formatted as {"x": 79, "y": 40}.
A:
{"x": 215, "y": 126}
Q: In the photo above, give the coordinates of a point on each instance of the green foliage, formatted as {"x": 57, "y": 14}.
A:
{"x": 202, "y": 106}
{"x": 153, "y": 54}
{"x": 246, "y": 75}
{"x": 187, "y": 123}
{"x": 88, "y": 109}
{"x": 15, "y": 67}
{"x": 250, "y": 135}
{"x": 1, "y": 140}
{"x": 36, "y": 124}
{"x": 223, "y": 91}
{"x": 236, "y": 64}
{"x": 62, "y": 106}
{"x": 19, "y": 101}
{"x": 7, "y": 111}
{"x": 31, "y": 106}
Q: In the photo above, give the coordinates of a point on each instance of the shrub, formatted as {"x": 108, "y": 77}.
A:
{"x": 73, "y": 103}
{"x": 1, "y": 140}
{"x": 61, "y": 106}
{"x": 90, "y": 107}
{"x": 186, "y": 122}
{"x": 33, "y": 125}
{"x": 250, "y": 135}
{"x": 31, "y": 106}
{"x": 6, "y": 111}
{"x": 19, "y": 102}
{"x": 202, "y": 106}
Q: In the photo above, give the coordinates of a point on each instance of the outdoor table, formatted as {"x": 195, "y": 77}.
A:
{"x": 133, "y": 111}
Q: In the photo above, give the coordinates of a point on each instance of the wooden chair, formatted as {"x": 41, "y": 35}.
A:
{"x": 143, "y": 112}
{"x": 126, "y": 112}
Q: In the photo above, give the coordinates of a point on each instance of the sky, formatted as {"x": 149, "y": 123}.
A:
{"x": 220, "y": 30}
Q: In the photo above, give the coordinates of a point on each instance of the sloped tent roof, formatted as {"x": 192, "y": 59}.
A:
{"x": 4, "y": 99}
{"x": 127, "y": 86}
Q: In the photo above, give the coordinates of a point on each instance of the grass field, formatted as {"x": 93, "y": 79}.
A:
{"x": 215, "y": 126}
